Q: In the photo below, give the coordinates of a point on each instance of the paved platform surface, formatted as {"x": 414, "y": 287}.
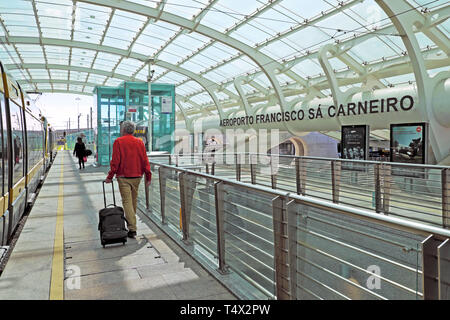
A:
{"x": 59, "y": 256}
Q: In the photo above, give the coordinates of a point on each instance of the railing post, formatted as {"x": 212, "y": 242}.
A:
{"x": 300, "y": 176}
{"x": 387, "y": 179}
{"x": 292, "y": 248}
{"x": 273, "y": 175}
{"x": 213, "y": 168}
{"x": 237, "y": 163}
{"x": 445, "y": 180}
{"x": 443, "y": 252}
{"x": 281, "y": 248}
{"x": 335, "y": 179}
{"x": 185, "y": 214}
{"x": 252, "y": 170}
{"x": 430, "y": 284}
{"x": 147, "y": 196}
{"x": 162, "y": 193}
{"x": 219, "y": 201}
{"x": 297, "y": 175}
{"x": 377, "y": 187}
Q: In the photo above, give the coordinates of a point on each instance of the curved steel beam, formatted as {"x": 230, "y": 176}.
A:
{"x": 405, "y": 21}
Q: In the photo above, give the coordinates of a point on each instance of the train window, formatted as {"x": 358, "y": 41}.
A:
{"x": 17, "y": 142}
{"x": 3, "y": 149}
{"x": 34, "y": 139}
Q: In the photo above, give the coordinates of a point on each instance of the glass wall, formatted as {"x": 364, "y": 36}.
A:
{"x": 129, "y": 101}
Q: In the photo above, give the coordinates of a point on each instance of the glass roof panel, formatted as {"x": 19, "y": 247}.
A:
{"x": 18, "y": 74}
{"x": 190, "y": 86}
{"x": 128, "y": 66}
{"x": 78, "y": 76}
{"x": 105, "y": 61}
{"x": 88, "y": 89}
{"x": 31, "y": 53}
{"x": 309, "y": 38}
{"x": 171, "y": 56}
{"x": 279, "y": 50}
{"x": 215, "y": 76}
{"x": 43, "y": 86}
{"x": 250, "y": 34}
{"x": 112, "y": 82}
{"x": 373, "y": 49}
{"x": 60, "y": 86}
{"x": 75, "y": 87}
{"x": 39, "y": 73}
{"x": 173, "y": 77}
{"x": 186, "y": 8}
{"x": 211, "y": 56}
{"x": 59, "y": 74}
{"x": 303, "y": 9}
{"x": 202, "y": 98}
{"x": 96, "y": 78}
{"x": 147, "y": 3}
{"x": 308, "y": 67}
{"x": 17, "y": 30}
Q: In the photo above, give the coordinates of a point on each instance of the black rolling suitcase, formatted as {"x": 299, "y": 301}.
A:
{"x": 112, "y": 222}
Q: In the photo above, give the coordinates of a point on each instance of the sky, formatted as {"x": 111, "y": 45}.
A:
{"x": 59, "y": 107}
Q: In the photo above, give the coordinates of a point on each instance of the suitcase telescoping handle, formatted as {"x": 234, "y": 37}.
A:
{"x": 104, "y": 193}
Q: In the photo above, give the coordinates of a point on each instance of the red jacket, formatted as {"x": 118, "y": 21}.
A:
{"x": 129, "y": 158}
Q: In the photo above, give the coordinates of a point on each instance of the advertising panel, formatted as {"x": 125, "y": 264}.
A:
{"x": 408, "y": 143}
{"x": 141, "y": 132}
{"x": 354, "y": 146}
{"x": 166, "y": 104}
{"x": 355, "y": 142}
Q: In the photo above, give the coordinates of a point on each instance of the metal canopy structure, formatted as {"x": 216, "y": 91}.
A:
{"x": 225, "y": 55}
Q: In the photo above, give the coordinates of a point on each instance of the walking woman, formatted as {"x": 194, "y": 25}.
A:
{"x": 80, "y": 151}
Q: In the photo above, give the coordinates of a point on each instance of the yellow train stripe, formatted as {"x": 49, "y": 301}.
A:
{"x": 57, "y": 279}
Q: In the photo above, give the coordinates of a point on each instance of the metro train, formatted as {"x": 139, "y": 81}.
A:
{"x": 27, "y": 149}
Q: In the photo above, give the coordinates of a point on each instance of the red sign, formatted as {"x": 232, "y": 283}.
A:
{"x": 131, "y": 110}
{"x": 419, "y": 129}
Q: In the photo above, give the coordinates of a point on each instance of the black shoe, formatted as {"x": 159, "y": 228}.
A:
{"x": 132, "y": 234}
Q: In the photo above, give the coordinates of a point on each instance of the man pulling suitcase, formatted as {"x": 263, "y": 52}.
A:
{"x": 129, "y": 162}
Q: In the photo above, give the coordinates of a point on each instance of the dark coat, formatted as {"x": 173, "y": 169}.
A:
{"x": 80, "y": 150}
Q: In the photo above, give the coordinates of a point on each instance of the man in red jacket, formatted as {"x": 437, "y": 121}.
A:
{"x": 129, "y": 162}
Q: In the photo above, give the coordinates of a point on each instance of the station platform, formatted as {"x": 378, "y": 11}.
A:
{"x": 58, "y": 255}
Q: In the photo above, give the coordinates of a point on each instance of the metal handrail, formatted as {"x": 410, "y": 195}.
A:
{"x": 401, "y": 164}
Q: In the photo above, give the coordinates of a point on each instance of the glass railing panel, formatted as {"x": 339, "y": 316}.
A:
{"x": 153, "y": 192}
{"x": 416, "y": 193}
{"x": 172, "y": 203}
{"x": 249, "y": 242}
{"x": 203, "y": 227}
{"x": 357, "y": 184}
{"x": 342, "y": 257}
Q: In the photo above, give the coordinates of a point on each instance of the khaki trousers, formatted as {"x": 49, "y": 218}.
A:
{"x": 129, "y": 191}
